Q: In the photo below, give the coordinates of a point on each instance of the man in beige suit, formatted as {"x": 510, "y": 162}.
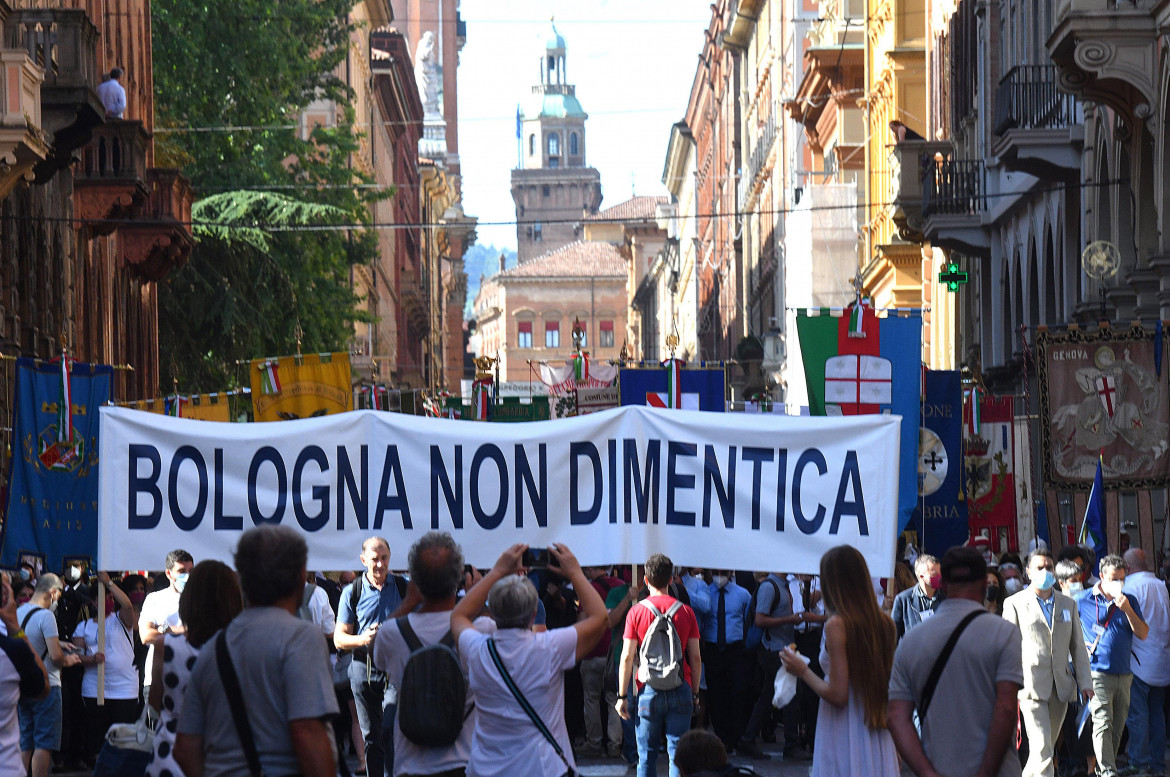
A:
{"x": 1052, "y": 638}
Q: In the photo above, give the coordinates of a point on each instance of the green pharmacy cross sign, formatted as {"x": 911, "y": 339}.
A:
{"x": 952, "y": 277}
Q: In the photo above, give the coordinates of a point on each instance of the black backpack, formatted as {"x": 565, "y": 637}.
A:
{"x": 432, "y": 693}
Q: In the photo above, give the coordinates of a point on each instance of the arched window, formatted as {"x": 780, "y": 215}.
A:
{"x": 554, "y": 144}
{"x": 531, "y": 144}
{"x": 573, "y": 147}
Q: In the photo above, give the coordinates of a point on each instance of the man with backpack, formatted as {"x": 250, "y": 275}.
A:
{"x": 435, "y": 720}
{"x": 773, "y": 613}
{"x": 662, "y": 637}
{"x": 372, "y": 598}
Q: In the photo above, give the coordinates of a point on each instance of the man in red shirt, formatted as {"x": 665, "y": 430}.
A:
{"x": 660, "y": 711}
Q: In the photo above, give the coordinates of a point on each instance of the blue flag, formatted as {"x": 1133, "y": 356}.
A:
{"x": 1093, "y": 529}
{"x": 700, "y": 389}
{"x": 53, "y": 482}
{"x": 941, "y": 516}
{"x": 518, "y": 122}
{"x": 1042, "y": 524}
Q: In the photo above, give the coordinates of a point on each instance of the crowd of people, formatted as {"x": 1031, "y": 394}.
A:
{"x": 526, "y": 667}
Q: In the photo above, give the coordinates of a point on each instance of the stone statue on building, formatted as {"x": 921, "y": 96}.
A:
{"x": 426, "y": 74}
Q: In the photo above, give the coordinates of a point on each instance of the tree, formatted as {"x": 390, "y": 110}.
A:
{"x": 231, "y": 78}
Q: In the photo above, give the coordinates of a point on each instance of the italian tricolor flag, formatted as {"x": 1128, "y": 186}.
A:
{"x": 857, "y": 363}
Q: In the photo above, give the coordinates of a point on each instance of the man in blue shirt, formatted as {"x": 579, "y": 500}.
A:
{"x": 725, "y": 658}
{"x": 1110, "y": 621}
{"x": 914, "y": 605}
{"x": 374, "y": 597}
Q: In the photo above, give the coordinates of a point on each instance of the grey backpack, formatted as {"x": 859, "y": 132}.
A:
{"x": 660, "y": 657}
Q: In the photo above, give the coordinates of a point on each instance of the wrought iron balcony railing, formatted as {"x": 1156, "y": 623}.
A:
{"x": 954, "y": 187}
{"x": 1028, "y": 98}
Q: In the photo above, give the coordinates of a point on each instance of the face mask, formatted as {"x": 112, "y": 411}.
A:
{"x": 720, "y": 580}
{"x": 992, "y": 593}
{"x": 181, "y": 581}
{"x": 1075, "y": 587}
{"x": 53, "y": 606}
{"x": 1113, "y": 588}
{"x": 1013, "y": 585}
{"x": 72, "y": 574}
{"x": 935, "y": 581}
{"x": 25, "y": 574}
{"x": 137, "y": 598}
{"x": 111, "y": 606}
{"x": 1045, "y": 580}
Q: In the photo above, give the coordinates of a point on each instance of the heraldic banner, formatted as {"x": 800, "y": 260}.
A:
{"x": 291, "y": 387}
{"x": 941, "y": 517}
{"x": 989, "y": 467}
{"x": 856, "y": 363}
{"x": 199, "y": 407}
{"x": 53, "y": 484}
{"x": 702, "y": 388}
{"x": 1103, "y": 392}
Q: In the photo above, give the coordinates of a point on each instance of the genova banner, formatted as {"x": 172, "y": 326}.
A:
{"x": 719, "y": 490}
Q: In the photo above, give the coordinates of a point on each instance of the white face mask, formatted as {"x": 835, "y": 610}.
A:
{"x": 1113, "y": 588}
{"x": 720, "y": 580}
{"x": 1075, "y": 587}
{"x": 1013, "y": 585}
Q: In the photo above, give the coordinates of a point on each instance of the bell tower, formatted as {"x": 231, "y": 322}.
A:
{"x": 552, "y": 185}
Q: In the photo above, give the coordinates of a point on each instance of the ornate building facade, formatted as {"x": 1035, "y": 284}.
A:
{"x": 88, "y": 225}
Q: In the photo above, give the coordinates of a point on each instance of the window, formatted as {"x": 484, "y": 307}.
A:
{"x": 544, "y": 191}
{"x": 524, "y": 334}
{"x": 532, "y": 144}
{"x": 554, "y": 144}
{"x": 552, "y": 334}
{"x": 537, "y": 232}
{"x": 606, "y": 334}
{"x": 573, "y": 148}
{"x": 554, "y": 162}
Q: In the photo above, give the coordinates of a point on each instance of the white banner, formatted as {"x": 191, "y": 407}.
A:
{"x": 717, "y": 490}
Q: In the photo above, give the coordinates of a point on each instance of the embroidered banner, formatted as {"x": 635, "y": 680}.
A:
{"x": 701, "y": 388}
{"x": 941, "y": 517}
{"x": 53, "y": 484}
{"x": 723, "y": 491}
{"x": 989, "y": 467}
{"x": 306, "y": 386}
{"x": 1101, "y": 392}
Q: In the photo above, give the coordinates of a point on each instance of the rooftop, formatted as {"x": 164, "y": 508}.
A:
{"x": 633, "y": 209}
{"x": 576, "y": 260}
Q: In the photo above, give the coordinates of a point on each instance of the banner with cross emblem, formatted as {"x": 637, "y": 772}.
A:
{"x": 1102, "y": 395}
{"x": 941, "y": 517}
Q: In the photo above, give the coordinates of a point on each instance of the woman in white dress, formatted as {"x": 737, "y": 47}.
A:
{"x": 208, "y": 603}
{"x": 857, "y": 653}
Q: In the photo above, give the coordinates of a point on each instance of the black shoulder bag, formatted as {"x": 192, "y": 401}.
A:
{"x": 532, "y": 714}
{"x": 231, "y": 686}
{"x": 941, "y": 663}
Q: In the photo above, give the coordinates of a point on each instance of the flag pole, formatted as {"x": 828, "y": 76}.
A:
{"x": 101, "y": 619}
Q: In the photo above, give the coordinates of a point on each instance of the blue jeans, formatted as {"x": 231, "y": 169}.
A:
{"x": 661, "y": 712}
{"x": 1147, "y": 726}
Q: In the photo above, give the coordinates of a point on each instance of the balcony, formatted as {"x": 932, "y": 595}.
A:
{"x": 1107, "y": 51}
{"x": 953, "y": 202}
{"x": 911, "y": 159}
{"x": 755, "y": 170}
{"x": 1039, "y": 128}
{"x": 110, "y": 179}
{"x": 161, "y": 239}
{"x": 23, "y": 143}
{"x": 63, "y": 43}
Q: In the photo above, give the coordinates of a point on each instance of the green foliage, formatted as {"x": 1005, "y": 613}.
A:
{"x": 255, "y": 65}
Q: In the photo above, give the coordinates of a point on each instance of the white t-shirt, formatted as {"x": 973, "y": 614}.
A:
{"x": 322, "y": 612}
{"x": 158, "y": 608}
{"x": 121, "y": 674}
{"x": 390, "y": 655}
{"x": 506, "y": 743}
{"x": 18, "y": 670}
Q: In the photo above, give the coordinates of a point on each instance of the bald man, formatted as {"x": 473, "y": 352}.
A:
{"x": 1151, "y": 670}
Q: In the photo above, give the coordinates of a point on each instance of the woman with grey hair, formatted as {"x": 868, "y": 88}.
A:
{"x": 506, "y": 740}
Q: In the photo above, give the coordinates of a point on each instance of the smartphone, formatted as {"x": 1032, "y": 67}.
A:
{"x": 535, "y": 558}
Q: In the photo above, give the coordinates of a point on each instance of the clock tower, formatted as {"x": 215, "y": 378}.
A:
{"x": 553, "y": 187}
